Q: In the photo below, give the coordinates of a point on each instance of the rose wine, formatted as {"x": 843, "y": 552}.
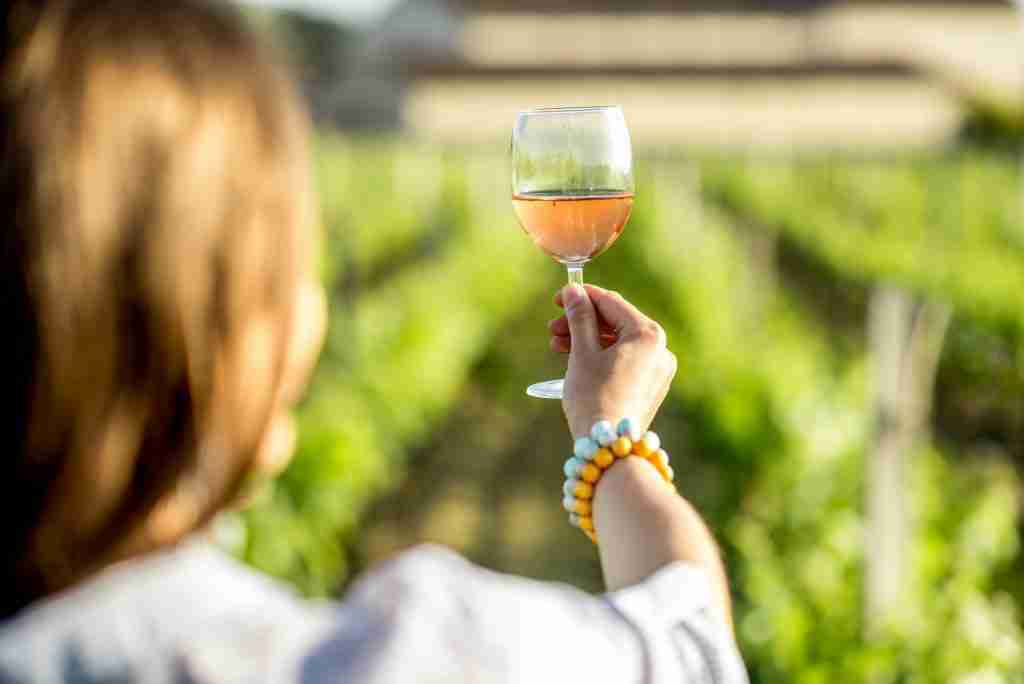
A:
{"x": 571, "y": 226}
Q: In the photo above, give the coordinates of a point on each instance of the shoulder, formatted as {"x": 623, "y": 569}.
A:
{"x": 412, "y": 568}
{"x": 189, "y": 608}
{"x": 151, "y": 588}
{"x": 431, "y": 615}
{"x": 434, "y": 577}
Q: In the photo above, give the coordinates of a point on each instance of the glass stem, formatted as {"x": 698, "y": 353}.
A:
{"x": 575, "y": 274}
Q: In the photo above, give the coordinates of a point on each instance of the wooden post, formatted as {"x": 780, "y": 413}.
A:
{"x": 906, "y": 342}
{"x": 885, "y": 541}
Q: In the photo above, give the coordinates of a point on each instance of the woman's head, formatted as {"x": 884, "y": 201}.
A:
{"x": 154, "y": 176}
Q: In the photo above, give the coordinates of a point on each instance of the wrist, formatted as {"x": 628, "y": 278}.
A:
{"x": 585, "y": 416}
{"x": 581, "y": 415}
{"x": 596, "y": 453}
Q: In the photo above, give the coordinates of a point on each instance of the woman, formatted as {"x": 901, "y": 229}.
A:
{"x": 157, "y": 264}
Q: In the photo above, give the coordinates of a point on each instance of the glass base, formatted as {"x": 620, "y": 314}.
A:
{"x": 552, "y": 389}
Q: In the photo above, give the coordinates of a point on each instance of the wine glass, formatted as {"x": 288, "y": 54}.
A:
{"x": 572, "y": 187}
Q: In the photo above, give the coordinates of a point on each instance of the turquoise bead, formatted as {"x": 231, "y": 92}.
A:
{"x": 574, "y": 519}
{"x": 569, "y": 488}
{"x": 603, "y": 433}
{"x": 630, "y": 428}
{"x": 584, "y": 448}
{"x": 572, "y": 466}
{"x": 569, "y": 504}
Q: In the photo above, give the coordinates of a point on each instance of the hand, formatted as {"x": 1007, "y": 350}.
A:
{"x": 619, "y": 365}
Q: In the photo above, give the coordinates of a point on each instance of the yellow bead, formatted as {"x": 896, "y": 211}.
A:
{"x": 584, "y": 490}
{"x": 586, "y": 523}
{"x": 622, "y": 446}
{"x": 603, "y": 458}
{"x": 659, "y": 456}
{"x": 641, "y": 449}
{"x": 590, "y": 535}
{"x": 590, "y": 473}
{"x": 662, "y": 470}
{"x": 582, "y": 507}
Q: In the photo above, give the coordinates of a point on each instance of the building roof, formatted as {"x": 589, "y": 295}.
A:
{"x": 730, "y": 72}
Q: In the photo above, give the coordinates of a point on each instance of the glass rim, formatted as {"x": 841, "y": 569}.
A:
{"x": 565, "y": 109}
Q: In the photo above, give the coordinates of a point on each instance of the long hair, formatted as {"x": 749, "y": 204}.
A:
{"x": 156, "y": 202}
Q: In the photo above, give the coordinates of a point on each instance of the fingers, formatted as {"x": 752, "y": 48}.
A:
{"x": 624, "y": 318}
{"x": 583, "y": 325}
{"x": 560, "y": 327}
{"x": 563, "y": 343}
{"x": 617, "y": 315}
{"x": 616, "y": 319}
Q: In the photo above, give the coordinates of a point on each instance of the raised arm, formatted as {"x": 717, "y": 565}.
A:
{"x": 619, "y": 366}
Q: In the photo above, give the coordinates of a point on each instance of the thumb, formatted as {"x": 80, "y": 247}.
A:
{"x": 582, "y": 317}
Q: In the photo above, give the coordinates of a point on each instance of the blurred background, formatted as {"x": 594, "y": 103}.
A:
{"x": 829, "y": 226}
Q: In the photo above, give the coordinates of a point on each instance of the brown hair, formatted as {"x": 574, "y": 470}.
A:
{"x": 153, "y": 174}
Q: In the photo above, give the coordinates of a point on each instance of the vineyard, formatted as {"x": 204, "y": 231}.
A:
{"x": 767, "y": 275}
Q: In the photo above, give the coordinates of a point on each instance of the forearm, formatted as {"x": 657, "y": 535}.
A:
{"x": 643, "y": 525}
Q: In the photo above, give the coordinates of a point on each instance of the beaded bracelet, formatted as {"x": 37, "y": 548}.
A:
{"x": 594, "y": 454}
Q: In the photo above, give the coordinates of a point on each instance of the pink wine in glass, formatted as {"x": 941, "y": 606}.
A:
{"x": 573, "y": 227}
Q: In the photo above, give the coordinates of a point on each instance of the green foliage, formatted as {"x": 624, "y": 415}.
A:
{"x": 757, "y": 270}
{"x": 949, "y": 229}
{"x": 992, "y": 121}
{"x": 943, "y": 229}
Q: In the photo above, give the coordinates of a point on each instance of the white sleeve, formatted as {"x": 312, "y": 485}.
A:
{"x": 431, "y": 616}
{"x": 684, "y": 637}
